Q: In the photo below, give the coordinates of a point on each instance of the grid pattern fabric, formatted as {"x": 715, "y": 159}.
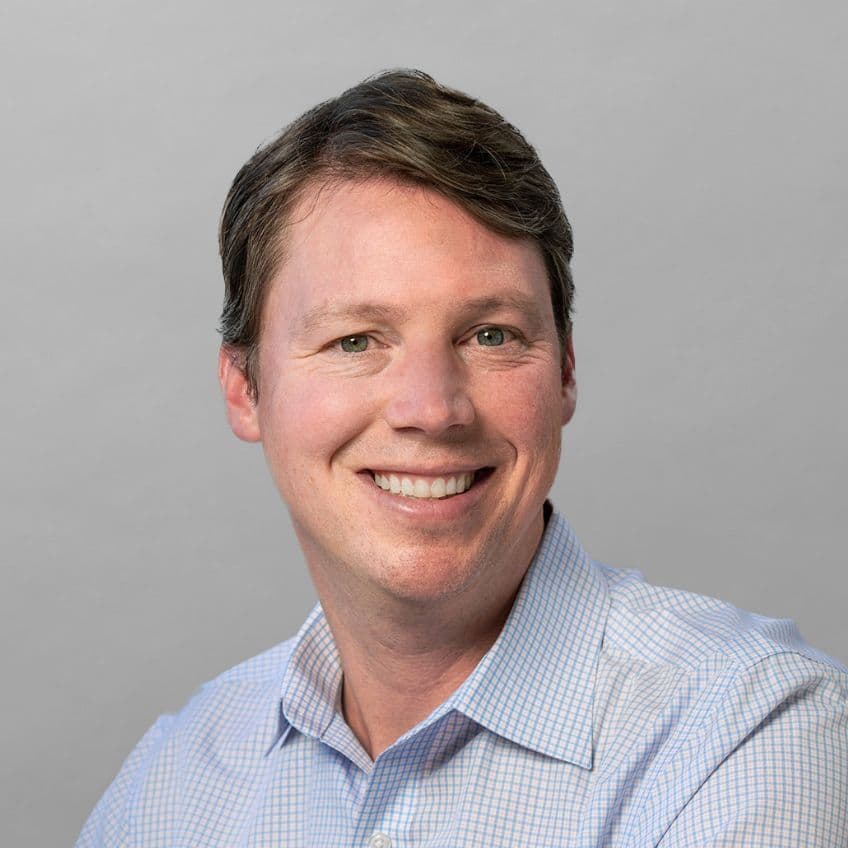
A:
{"x": 608, "y": 713}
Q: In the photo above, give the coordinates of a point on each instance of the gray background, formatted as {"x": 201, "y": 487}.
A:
{"x": 700, "y": 148}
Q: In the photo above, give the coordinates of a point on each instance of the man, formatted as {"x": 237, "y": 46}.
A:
{"x": 397, "y": 335}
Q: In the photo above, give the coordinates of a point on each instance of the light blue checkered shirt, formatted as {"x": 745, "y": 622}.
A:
{"x": 609, "y": 712}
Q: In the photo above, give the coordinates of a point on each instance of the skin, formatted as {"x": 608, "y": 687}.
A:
{"x": 415, "y": 591}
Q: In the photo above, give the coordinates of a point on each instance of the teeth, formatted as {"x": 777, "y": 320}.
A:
{"x": 441, "y": 487}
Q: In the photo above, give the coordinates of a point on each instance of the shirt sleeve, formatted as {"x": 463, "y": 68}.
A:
{"x": 779, "y": 771}
{"x": 108, "y": 826}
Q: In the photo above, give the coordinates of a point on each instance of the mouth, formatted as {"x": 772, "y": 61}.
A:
{"x": 432, "y": 487}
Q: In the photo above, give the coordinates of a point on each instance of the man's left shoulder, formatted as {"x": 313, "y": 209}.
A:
{"x": 739, "y": 728}
{"x": 679, "y": 629}
{"x": 708, "y": 673}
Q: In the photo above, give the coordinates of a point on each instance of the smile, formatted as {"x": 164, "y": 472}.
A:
{"x": 411, "y": 486}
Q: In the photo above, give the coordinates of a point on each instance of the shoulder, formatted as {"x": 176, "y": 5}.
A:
{"x": 220, "y": 736}
{"x": 730, "y": 715}
{"x": 701, "y": 663}
{"x": 246, "y": 694}
{"x": 267, "y": 667}
{"x": 683, "y": 630}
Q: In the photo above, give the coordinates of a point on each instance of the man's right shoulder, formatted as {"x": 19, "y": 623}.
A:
{"x": 247, "y": 692}
{"x": 230, "y": 723}
{"x": 264, "y": 668}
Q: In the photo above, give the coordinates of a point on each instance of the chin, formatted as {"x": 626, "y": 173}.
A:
{"x": 421, "y": 577}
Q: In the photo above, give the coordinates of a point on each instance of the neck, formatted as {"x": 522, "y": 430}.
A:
{"x": 402, "y": 658}
{"x": 395, "y": 676}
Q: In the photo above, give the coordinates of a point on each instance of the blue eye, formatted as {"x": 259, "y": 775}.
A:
{"x": 491, "y": 337}
{"x": 354, "y": 344}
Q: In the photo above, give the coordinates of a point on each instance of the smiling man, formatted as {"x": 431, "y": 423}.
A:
{"x": 397, "y": 336}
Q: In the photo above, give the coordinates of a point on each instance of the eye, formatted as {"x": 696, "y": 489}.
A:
{"x": 491, "y": 336}
{"x": 354, "y": 344}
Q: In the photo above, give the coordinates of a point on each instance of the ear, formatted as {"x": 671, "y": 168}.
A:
{"x": 241, "y": 407}
{"x": 569, "y": 381}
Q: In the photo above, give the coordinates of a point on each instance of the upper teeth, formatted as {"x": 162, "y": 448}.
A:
{"x": 415, "y": 487}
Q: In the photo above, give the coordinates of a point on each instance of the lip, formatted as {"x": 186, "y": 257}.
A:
{"x": 430, "y": 510}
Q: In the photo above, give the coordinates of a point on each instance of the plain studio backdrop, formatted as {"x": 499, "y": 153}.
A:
{"x": 700, "y": 151}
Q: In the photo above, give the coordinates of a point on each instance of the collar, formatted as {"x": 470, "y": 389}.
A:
{"x": 535, "y": 685}
{"x": 312, "y": 685}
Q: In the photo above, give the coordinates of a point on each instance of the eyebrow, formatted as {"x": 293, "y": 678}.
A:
{"x": 318, "y": 316}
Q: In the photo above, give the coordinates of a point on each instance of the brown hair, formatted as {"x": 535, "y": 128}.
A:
{"x": 404, "y": 125}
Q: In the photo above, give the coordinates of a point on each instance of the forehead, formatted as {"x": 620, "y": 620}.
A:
{"x": 400, "y": 244}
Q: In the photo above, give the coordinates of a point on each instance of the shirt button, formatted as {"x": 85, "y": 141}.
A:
{"x": 379, "y": 840}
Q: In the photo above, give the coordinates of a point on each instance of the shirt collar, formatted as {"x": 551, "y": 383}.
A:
{"x": 311, "y": 692}
{"x": 535, "y": 685}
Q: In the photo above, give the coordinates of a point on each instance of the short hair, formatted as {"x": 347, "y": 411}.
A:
{"x": 402, "y": 125}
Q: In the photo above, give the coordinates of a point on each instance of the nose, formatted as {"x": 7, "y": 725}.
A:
{"x": 428, "y": 392}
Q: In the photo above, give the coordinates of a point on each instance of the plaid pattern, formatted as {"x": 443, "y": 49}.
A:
{"x": 608, "y": 713}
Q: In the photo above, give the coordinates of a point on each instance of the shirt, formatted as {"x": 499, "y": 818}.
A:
{"x": 609, "y": 712}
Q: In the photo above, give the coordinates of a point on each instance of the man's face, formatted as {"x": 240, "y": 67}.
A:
{"x": 406, "y": 345}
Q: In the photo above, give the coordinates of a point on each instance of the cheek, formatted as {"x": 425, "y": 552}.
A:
{"x": 305, "y": 422}
{"x": 526, "y": 405}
